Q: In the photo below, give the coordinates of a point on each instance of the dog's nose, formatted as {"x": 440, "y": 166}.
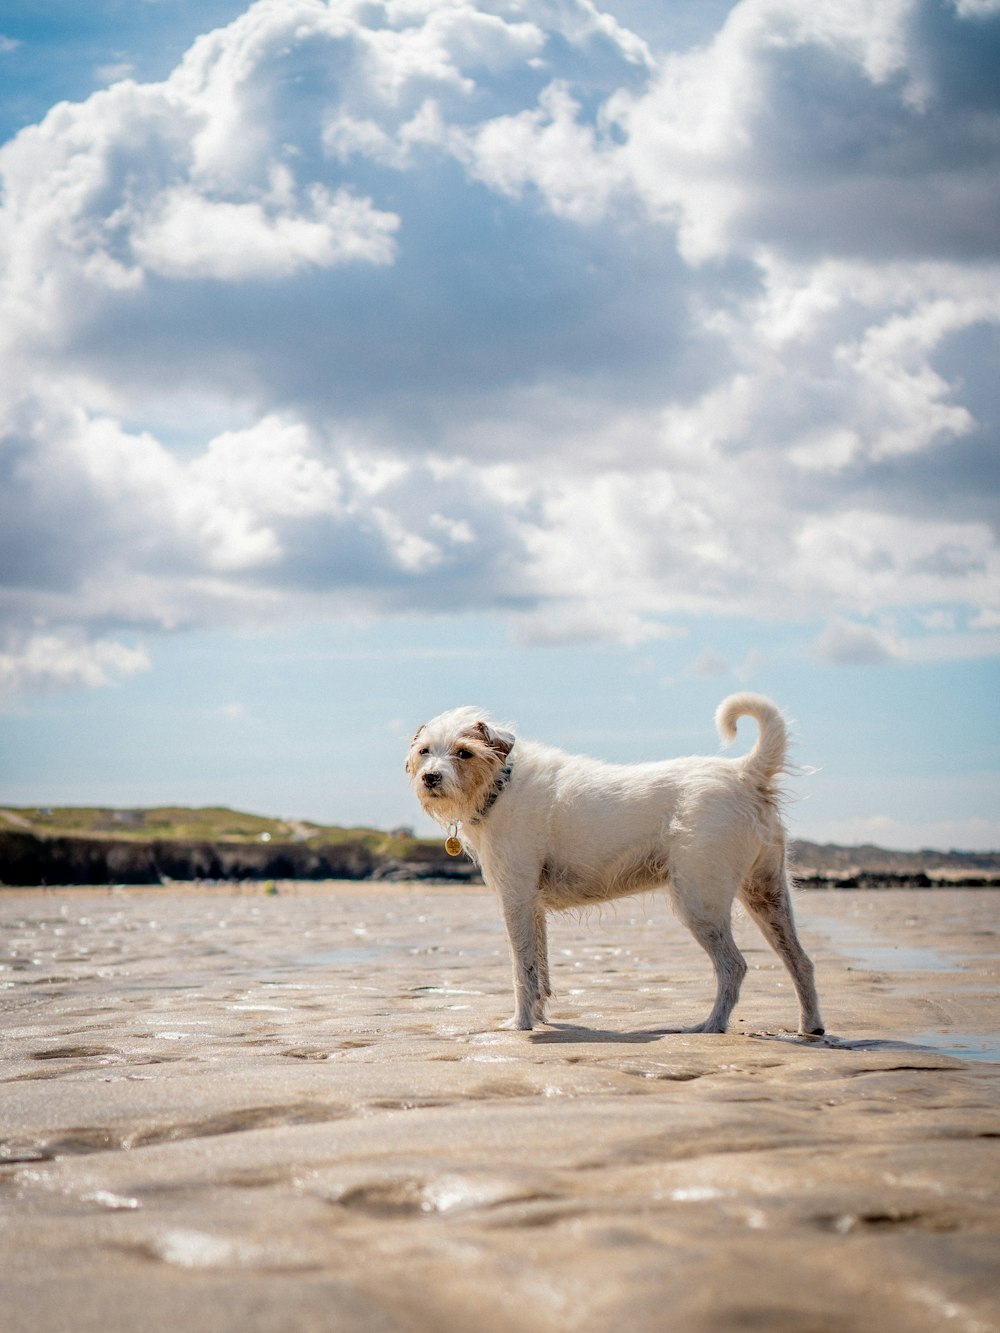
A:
{"x": 432, "y": 779}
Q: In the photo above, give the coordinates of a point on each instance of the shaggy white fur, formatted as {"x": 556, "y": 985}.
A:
{"x": 559, "y": 831}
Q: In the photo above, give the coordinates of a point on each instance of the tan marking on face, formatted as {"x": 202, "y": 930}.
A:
{"x": 477, "y": 771}
{"x": 468, "y": 766}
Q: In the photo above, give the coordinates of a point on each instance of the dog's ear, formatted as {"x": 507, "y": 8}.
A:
{"x": 500, "y": 742}
{"x": 408, "y": 766}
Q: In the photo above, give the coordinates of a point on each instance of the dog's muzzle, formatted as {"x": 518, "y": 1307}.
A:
{"x": 431, "y": 780}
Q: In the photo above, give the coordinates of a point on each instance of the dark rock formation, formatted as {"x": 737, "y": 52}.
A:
{"x": 26, "y": 859}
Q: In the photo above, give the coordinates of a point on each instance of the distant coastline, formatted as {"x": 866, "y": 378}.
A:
{"x": 159, "y": 845}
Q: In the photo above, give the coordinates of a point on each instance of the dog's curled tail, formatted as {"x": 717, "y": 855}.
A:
{"x": 767, "y": 758}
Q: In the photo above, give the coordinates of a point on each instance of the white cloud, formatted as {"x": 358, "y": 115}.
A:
{"x": 977, "y": 9}
{"x": 899, "y": 560}
{"x": 479, "y": 306}
{"x": 826, "y": 124}
{"x": 114, "y": 72}
{"x": 186, "y": 235}
{"x": 549, "y": 148}
{"x": 269, "y": 469}
{"x": 846, "y": 643}
{"x": 63, "y": 660}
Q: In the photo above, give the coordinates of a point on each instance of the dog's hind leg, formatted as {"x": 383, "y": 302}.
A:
{"x": 716, "y": 938}
{"x": 766, "y": 894}
{"x": 710, "y": 925}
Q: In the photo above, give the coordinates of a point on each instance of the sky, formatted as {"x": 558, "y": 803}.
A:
{"x": 587, "y": 364}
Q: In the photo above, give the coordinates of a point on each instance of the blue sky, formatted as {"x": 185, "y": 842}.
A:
{"x": 362, "y": 359}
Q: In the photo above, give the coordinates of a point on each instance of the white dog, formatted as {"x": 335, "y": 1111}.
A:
{"x": 552, "y": 830}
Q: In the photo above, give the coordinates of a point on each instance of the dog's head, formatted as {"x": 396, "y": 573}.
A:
{"x": 454, "y": 761}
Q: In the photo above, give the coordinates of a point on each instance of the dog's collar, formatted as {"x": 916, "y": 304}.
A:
{"x": 453, "y": 844}
{"x": 500, "y": 785}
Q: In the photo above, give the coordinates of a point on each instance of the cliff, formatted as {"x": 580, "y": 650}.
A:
{"x": 26, "y": 859}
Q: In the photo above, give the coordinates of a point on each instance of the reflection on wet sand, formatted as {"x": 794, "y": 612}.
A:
{"x": 299, "y": 1111}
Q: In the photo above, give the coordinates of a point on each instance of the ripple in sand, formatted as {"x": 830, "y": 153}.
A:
{"x": 184, "y": 1248}
{"x": 412, "y": 1196}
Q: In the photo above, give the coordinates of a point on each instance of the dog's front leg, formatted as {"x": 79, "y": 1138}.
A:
{"x": 520, "y": 915}
{"x": 542, "y": 951}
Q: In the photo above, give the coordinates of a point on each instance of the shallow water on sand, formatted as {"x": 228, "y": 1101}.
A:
{"x": 299, "y": 1111}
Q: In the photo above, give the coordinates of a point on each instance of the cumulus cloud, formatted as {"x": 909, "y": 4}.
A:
{"x": 462, "y": 305}
{"x": 550, "y": 149}
{"x": 847, "y": 643}
{"x": 826, "y": 128}
{"x": 186, "y": 235}
{"x": 62, "y": 659}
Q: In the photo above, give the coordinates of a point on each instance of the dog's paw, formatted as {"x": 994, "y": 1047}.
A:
{"x": 516, "y": 1024}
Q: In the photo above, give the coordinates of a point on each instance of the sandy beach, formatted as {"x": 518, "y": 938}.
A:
{"x": 223, "y": 1109}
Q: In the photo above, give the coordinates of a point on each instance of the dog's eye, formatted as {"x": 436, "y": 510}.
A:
{"x": 425, "y": 750}
{"x": 463, "y": 754}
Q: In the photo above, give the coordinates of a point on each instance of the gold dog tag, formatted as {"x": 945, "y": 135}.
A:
{"x": 453, "y": 846}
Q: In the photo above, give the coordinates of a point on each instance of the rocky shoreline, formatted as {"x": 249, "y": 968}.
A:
{"x": 28, "y": 858}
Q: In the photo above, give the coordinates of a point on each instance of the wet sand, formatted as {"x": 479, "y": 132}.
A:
{"x": 224, "y": 1110}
